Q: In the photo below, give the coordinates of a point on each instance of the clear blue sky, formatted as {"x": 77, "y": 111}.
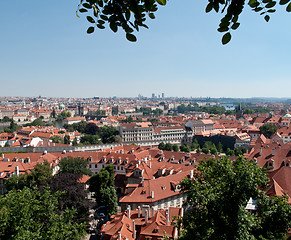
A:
{"x": 45, "y": 51}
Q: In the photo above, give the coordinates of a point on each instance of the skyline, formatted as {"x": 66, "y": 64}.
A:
{"x": 48, "y": 53}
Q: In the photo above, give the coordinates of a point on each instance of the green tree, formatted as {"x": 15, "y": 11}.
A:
{"x": 63, "y": 115}
{"x": 30, "y": 214}
{"x": 194, "y": 144}
{"x": 168, "y": 147}
{"x": 74, "y": 165}
{"x": 12, "y": 127}
{"x": 100, "y": 181}
{"x": 57, "y": 139}
{"x": 40, "y": 173}
{"x": 161, "y": 146}
{"x": 108, "y": 134}
{"x": 53, "y": 114}
{"x": 268, "y": 130}
{"x": 67, "y": 139}
{"x": 102, "y": 185}
{"x": 73, "y": 194}
{"x": 109, "y": 199}
{"x": 217, "y": 197}
{"x": 91, "y": 128}
{"x": 213, "y": 150}
{"x": 185, "y": 148}
{"x": 75, "y": 142}
{"x": 229, "y": 152}
{"x": 90, "y": 139}
{"x": 175, "y": 148}
{"x": 219, "y": 147}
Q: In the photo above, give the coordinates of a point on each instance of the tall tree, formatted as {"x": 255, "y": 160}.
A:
{"x": 74, "y": 194}
{"x": 30, "y": 214}
{"x": 40, "y": 173}
{"x": 108, "y": 134}
{"x": 218, "y": 195}
{"x": 268, "y": 130}
{"x": 74, "y": 165}
{"x": 102, "y": 185}
{"x": 67, "y": 139}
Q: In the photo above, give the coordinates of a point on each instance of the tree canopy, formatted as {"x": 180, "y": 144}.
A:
{"x": 131, "y": 15}
{"x": 217, "y": 198}
{"x": 102, "y": 184}
{"x": 74, "y": 165}
{"x": 268, "y": 130}
{"x": 30, "y": 214}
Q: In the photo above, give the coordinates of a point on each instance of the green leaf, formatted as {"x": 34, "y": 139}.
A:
{"x": 216, "y": 6}
{"x": 209, "y": 7}
{"x": 267, "y": 18}
{"x": 258, "y": 9}
{"x": 283, "y": 2}
{"x": 113, "y": 26}
{"x": 90, "y": 30}
{"x": 130, "y": 37}
{"x": 90, "y": 19}
{"x": 235, "y": 26}
{"x": 226, "y": 38}
{"x": 100, "y": 3}
{"x": 270, "y": 4}
{"x": 82, "y": 10}
{"x": 288, "y": 8}
{"x": 77, "y": 14}
{"x": 271, "y": 10}
{"x": 127, "y": 15}
{"x": 101, "y": 22}
{"x": 87, "y": 5}
{"x": 222, "y": 29}
{"x": 100, "y": 26}
{"x": 152, "y": 16}
{"x": 252, "y": 3}
{"x": 105, "y": 18}
{"x": 235, "y": 19}
{"x": 161, "y": 2}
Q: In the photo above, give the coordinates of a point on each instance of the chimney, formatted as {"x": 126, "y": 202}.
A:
{"x": 2, "y": 155}
{"x": 146, "y": 216}
{"x": 17, "y": 170}
{"x": 191, "y": 174}
{"x": 152, "y": 194}
{"x": 261, "y": 150}
{"x": 150, "y": 165}
{"x": 44, "y": 152}
{"x": 153, "y": 211}
{"x": 133, "y": 230}
{"x": 128, "y": 211}
{"x": 119, "y": 235}
{"x": 167, "y": 217}
{"x": 139, "y": 212}
{"x": 273, "y": 151}
{"x": 64, "y": 151}
{"x": 142, "y": 181}
{"x": 182, "y": 212}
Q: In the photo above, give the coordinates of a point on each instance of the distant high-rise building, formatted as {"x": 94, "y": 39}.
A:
{"x": 153, "y": 95}
{"x": 163, "y": 95}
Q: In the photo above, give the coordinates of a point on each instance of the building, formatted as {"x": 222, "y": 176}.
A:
{"x": 136, "y": 132}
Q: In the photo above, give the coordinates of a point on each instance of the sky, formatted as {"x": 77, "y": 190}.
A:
{"x": 45, "y": 50}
